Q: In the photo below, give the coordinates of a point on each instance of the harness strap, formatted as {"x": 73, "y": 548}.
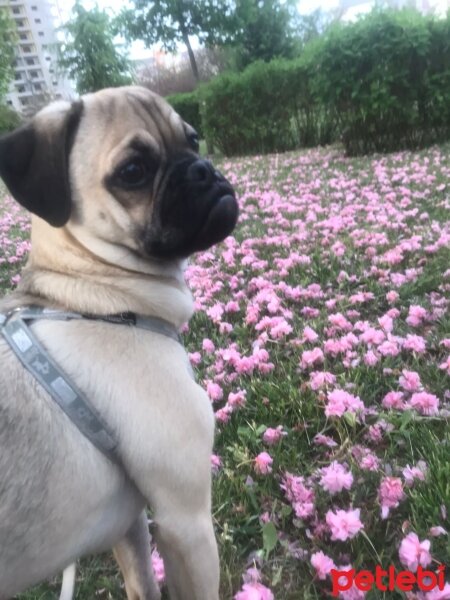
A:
{"x": 155, "y": 324}
{"x": 49, "y": 374}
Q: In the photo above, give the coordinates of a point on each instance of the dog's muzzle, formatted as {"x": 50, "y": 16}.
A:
{"x": 196, "y": 210}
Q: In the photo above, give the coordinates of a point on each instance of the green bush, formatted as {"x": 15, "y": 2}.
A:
{"x": 379, "y": 84}
{"x": 269, "y": 107}
{"x": 386, "y": 78}
{"x": 187, "y": 106}
{"x": 9, "y": 119}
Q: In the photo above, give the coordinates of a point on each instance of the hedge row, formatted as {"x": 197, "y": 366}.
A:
{"x": 387, "y": 80}
{"x": 379, "y": 84}
{"x": 188, "y": 107}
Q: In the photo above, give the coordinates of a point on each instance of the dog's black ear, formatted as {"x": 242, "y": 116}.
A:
{"x": 34, "y": 163}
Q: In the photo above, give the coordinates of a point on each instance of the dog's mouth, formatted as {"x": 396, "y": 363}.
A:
{"x": 220, "y": 222}
{"x": 214, "y": 213}
{"x": 197, "y": 210}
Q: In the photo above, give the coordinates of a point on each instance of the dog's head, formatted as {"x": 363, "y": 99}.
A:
{"x": 122, "y": 165}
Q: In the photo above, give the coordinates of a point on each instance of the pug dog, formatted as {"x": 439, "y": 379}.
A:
{"x": 120, "y": 198}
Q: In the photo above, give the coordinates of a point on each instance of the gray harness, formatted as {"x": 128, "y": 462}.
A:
{"x": 48, "y": 373}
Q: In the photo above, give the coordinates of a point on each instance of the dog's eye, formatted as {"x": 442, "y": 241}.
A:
{"x": 133, "y": 174}
{"x": 193, "y": 141}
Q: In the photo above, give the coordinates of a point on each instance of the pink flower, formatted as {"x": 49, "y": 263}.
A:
{"x": 392, "y": 297}
{"x": 389, "y": 347}
{"x": 412, "y": 473}
{"x": 273, "y": 436}
{"x": 254, "y": 591}
{"x": 208, "y": 346}
{"x": 214, "y": 391}
{"x": 393, "y": 400}
{"x": 438, "y": 594}
{"x": 311, "y": 357}
{"x": 300, "y": 496}
{"x": 215, "y": 312}
{"x": 415, "y": 343}
{"x": 237, "y": 399}
{"x": 416, "y": 316}
{"x": 413, "y": 552}
{"x": 445, "y": 366}
{"x": 232, "y": 306}
{"x": 425, "y": 403}
{"x": 339, "y": 401}
{"x": 343, "y": 524}
{"x": 386, "y": 323}
{"x": 320, "y": 379}
{"x": 409, "y": 381}
{"x": 322, "y": 564}
{"x": 437, "y": 531}
{"x": 158, "y": 567}
{"x": 390, "y": 494}
{"x": 309, "y": 335}
{"x": 195, "y": 358}
{"x": 370, "y": 358}
{"x": 369, "y": 462}
{"x": 216, "y": 463}
{"x": 324, "y": 440}
{"x": 340, "y": 322}
{"x": 335, "y": 478}
{"x": 262, "y": 463}
{"x": 223, "y": 414}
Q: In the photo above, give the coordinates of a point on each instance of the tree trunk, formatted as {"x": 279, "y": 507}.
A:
{"x": 191, "y": 56}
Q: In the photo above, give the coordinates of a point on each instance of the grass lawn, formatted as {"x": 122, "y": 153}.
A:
{"x": 322, "y": 335}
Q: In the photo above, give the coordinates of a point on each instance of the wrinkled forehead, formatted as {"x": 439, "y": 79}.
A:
{"x": 116, "y": 114}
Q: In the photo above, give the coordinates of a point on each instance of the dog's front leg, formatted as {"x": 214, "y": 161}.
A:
{"x": 186, "y": 540}
{"x": 134, "y": 558}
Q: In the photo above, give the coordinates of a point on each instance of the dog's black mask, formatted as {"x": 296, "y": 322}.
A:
{"x": 196, "y": 210}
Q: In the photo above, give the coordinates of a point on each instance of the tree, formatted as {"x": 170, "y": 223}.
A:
{"x": 171, "y": 22}
{"x": 89, "y": 55}
{"x": 312, "y": 26}
{"x": 7, "y": 49}
{"x": 265, "y": 30}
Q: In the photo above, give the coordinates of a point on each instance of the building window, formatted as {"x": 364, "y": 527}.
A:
{"x": 40, "y": 33}
{"x": 38, "y": 87}
{"x": 18, "y": 75}
{"x": 38, "y": 21}
{"x": 48, "y": 58}
{"x": 26, "y": 49}
{"x": 23, "y": 36}
{"x": 55, "y": 82}
{"x": 16, "y": 10}
{"x": 20, "y": 23}
{"x": 9, "y": 102}
{"x": 34, "y": 74}
{"x": 29, "y": 61}
{"x": 34, "y": 8}
{"x": 24, "y": 101}
{"x": 20, "y": 89}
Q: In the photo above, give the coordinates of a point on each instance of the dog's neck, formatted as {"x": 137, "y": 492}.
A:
{"x": 78, "y": 275}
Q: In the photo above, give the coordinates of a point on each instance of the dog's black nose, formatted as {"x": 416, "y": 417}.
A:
{"x": 201, "y": 171}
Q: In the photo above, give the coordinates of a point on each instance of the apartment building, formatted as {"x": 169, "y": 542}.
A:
{"x": 36, "y": 79}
